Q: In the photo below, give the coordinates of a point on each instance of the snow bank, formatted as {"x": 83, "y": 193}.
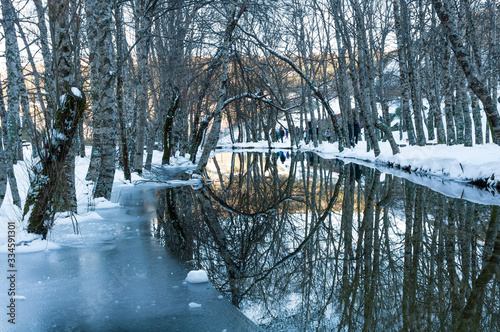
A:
{"x": 31, "y": 246}
{"x": 480, "y": 163}
{"x": 62, "y": 234}
{"x": 454, "y": 162}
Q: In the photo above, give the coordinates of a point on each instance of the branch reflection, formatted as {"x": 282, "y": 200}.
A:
{"x": 311, "y": 244}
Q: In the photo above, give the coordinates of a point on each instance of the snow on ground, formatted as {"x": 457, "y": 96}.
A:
{"x": 194, "y": 305}
{"x": 454, "y": 162}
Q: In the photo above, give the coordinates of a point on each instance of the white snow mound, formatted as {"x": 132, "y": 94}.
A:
{"x": 76, "y": 92}
{"x": 197, "y": 277}
{"x": 32, "y": 246}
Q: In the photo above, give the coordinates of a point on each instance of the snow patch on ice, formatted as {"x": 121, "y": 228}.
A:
{"x": 194, "y": 305}
{"x": 197, "y": 277}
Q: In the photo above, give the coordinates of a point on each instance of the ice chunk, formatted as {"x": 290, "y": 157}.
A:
{"x": 197, "y": 277}
{"x": 194, "y": 305}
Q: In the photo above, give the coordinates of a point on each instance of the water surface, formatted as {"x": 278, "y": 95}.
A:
{"x": 301, "y": 243}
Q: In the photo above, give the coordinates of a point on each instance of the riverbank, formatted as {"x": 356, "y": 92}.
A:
{"x": 478, "y": 165}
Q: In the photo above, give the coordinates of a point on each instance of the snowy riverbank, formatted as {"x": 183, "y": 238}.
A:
{"x": 87, "y": 208}
{"x": 479, "y": 164}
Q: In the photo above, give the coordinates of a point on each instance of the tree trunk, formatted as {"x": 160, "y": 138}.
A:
{"x": 120, "y": 61}
{"x": 448, "y": 99}
{"x": 476, "y": 116}
{"x": 143, "y": 14}
{"x": 14, "y": 79}
{"x": 458, "y": 114}
{"x": 6, "y": 163}
{"x": 167, "y": 127}
{"x": 464, "y": 100}
{"x": 92, "y": 36}
{"x": 106, "y": 96}
{"x": 413, "y": 71}
{"x": 43, "y": 40}
{"x": 49, "y": 178}
{"x": 433, "y": 86}
{"x": 3, "y": 173}
{"x": 213, "y": 137}
{"x": 402, "y": 41}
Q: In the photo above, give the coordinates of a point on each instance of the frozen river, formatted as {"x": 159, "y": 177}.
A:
{"x": 115, "y": 278}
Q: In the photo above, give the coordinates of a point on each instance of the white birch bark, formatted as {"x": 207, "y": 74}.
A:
{"x": 92, "y": 36}
{"x": 403, "y": 72}
{"x": 46, "y": 53}
{"x": 477, "y": 118}
{"x": 120, "y": 88}
{"x": 3, "y": 174}
{"x": 448, "y": 98}
{"x": 50, "y": 182}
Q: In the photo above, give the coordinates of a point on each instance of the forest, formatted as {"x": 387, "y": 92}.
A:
{"x": 130, "y": 76}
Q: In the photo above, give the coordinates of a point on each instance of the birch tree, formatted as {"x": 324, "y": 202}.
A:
{"x": 104, "y": 90}
{"x": 121, "y": 60}
{"x": 143, "y": 17}
{"x": 49, "y": 179}
{"x": 6, "y": 163}
{"x": 234, "y": 13}
{"x": 402, "y": 40}
{"x": 14, "y": 80}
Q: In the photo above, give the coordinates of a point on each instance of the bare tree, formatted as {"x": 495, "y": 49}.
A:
{"x": 15, "y": 80}
{"x": 104, "y": 85}
{"x": 49, "y": 177}
{"x": 7, "y": 167}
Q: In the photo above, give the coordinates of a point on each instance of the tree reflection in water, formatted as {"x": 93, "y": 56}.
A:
{"x": 313, "y": 244}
